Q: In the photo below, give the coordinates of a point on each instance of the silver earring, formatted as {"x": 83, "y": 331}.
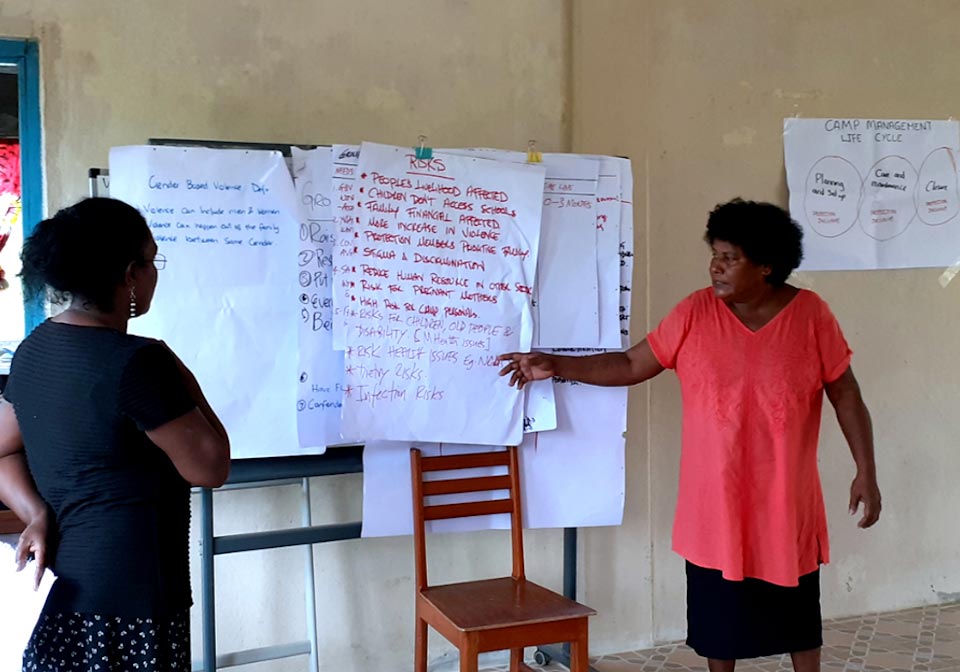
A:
{"x": 133, "y": 302}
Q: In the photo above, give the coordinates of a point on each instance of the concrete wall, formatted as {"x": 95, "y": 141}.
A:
{"x": 483, "y": 73}
{"x": 696, "y": 93}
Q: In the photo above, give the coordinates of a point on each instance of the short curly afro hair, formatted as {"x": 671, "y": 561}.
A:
{"x": 764, "y": 231}
{"x": 83, "y": 251}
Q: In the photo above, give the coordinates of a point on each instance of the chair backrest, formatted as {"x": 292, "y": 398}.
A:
{"x": 422, "y": 489}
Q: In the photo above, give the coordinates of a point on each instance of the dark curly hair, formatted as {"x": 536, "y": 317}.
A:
{"x": 764, "y": 231}
{"x": 83, "y": 251}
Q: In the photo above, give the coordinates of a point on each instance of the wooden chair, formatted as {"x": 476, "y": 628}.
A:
{"x": 9, "y": 523}
{"x": 494, "y": 614}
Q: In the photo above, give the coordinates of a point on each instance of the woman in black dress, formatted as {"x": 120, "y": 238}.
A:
{"x": 101, "y": 436}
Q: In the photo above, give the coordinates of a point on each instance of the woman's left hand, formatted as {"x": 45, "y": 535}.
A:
{"x": 33, "y": 541}
{"x": 866, "y": 491}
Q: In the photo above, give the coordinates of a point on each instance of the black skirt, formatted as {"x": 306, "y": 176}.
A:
{"x": 734, "y": 620}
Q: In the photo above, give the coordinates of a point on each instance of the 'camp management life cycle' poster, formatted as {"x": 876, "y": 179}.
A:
{"x": 874, "y": 193}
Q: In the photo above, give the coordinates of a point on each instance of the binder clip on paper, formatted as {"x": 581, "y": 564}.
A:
{"x": 421, "y": 150}
{"x": 533, "y": 156}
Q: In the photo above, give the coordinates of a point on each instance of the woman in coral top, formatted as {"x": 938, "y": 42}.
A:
{"x": 754, "y": 356}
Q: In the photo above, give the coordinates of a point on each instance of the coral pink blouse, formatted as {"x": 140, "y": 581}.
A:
{"x": 750, "y": 502}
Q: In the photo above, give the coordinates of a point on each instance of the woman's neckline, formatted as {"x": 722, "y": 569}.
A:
{"x": 776, "y": 316}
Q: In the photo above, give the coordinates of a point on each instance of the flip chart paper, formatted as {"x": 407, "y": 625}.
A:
{"x": 446, "y": 253}
{"x": 571, "y": 477}
{"x": 567, "y": 292}
{"x": 227, "y": 221}
{"x": 345, "y": 158}
{"x": 320, "y": 375}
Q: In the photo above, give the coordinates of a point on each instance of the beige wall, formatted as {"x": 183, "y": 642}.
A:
{"x": 483, "y": 73}
{"x": 695, "y": 93}
{"x": 460, "y": 71}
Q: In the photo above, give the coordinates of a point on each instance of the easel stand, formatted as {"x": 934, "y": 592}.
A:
{"x": 267, "y": 472}
{"x": 561, "y": 652}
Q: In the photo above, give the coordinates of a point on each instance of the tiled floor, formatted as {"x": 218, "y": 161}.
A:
{"x": 918, "y": 640}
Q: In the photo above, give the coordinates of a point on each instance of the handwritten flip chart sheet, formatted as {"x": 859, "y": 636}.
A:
{"x": 540, "y": 410}
{"x": 626, "y": 248}
{"x": 569, "y": 266}
{"x": 874, "y": 193}
{"x": 608, "y": 252}
{"x": 20, "y": 607}
{"x": 345, "y": 159}
{"x": 610, "y": 209}
{"x": 567, "y": 293}
{"x": 446, "y": 253}
{"x": 227, "y": 222}
{"x": 587, "y": 444}
{"x": 586, "y": 452}
{"x": 321, "y": 366}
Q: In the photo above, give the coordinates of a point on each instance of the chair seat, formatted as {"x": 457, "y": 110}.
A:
{"x": 498, "y": 603}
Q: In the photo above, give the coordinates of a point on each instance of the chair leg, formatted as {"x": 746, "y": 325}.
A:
{"x": 469, "y": 656}
{"x": 516, "y": 660}
{"x": 420, "y": 647}
{"x": 579, "y": 651}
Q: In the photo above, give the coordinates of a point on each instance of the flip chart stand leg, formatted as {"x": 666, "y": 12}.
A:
{"x": 260, "y": 473}
{"x": 310, "y": 579}
{"x": 206, "y": 571}
{"x": 561, "y": 653}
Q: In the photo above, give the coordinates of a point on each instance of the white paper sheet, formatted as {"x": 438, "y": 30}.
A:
{"x": 446, "y": 252}
{"x": 608, "y": 252}
{"x": 540, "y": 407}
{"x": 564, "y": 278}
{"x": 321, "y": 367}
{"x": 540, "y": 411}
{"x": 574, "y": 476}
{"x": 20, "y": 606}
{"x": 874, "y": 193}
{"x": 345, "y": 159}
{"x": 567, "y": 291}
{"x": 227, "y": 222}
{"x": 508, "y": 155}
{"x": 614, "y": 260}
{"x": 571, "y": 477}
{"x": 626, "y": 248}
{"x": 388, "y": 492}
{"x": 550, "y": 461}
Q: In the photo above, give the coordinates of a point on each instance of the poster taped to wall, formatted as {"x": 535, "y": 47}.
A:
{"x": 874, "y": 193}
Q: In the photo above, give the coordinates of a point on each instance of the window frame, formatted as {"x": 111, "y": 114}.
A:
{"x": 25, "y": 56}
